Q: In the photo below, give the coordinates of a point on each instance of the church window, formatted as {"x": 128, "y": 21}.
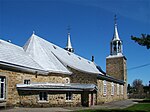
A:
{"x": 27, "y": 81}
{"x": 43, "y": 96}
{"x": 2, "y": 88}
{"x": 104, "y": 88}
{"x": 122, "y": 89}
{"x": 68, "y": 96}
{"x": 112, "y": 88}
{"x": 118, "y": 89}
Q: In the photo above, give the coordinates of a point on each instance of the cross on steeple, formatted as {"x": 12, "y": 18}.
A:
{"x": 115, "y": 19}
{"x": 68, "y": 28}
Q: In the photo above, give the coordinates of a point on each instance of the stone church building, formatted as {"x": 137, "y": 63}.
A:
{"x": 42, "y": 74}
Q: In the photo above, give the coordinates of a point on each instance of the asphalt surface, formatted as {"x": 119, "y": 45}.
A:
{"x": 111, "y": 105}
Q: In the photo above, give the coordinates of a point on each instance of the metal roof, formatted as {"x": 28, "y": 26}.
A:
{"x": 40, "y": 51}
{"x": 14, "y": 55}
{"x": 57, "y": 87}
{"x": 54, "y": 58}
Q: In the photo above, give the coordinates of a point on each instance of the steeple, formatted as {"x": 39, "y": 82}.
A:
{"x": 116, "y": 61}
{"x": 116, "y": 43}
{"x": 69, "y": 46}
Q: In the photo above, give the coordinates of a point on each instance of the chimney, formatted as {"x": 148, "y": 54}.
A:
{"x": 92, "y": 58}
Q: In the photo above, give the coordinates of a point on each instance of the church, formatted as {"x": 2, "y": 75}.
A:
{"x": 42, "y": 74}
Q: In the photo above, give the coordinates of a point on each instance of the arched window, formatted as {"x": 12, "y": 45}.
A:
{"x": 119, "y": 46}
{"x": 114, "y": 46}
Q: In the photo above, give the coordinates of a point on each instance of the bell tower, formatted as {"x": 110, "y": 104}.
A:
{"x": 116, "y": 61}
{"x": 116, "y": 43}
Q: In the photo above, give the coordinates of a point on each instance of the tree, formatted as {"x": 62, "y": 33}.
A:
{"x": 129, "y": 89}
{"x": 138, "y": 86}
{"x": 143, "y": 41}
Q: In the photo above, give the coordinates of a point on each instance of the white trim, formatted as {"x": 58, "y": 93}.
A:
{"x": 112, "y": 88}
{"x": 118, "y": 89}
{"x": 4, "y": 88}
{"x": 104, "y": 88}
{"x": 115, "y": 56}
{"x": 122, "y": 89}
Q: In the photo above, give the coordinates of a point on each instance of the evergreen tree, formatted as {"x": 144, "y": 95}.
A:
{"x": 144, "y": 40}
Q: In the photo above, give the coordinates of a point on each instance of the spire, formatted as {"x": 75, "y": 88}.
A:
{"x": 116, "y": 43}
{"x": 69, "y": 46}
{"x": 69, "y": 42}
{"x": 116, "y": 35}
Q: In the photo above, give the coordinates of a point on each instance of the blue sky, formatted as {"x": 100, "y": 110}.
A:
{"x": 92, "y": 26}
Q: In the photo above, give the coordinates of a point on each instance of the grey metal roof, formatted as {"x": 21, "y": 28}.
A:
{"x": 14, "y": 55}
{"x": 54, "y": 58}
{"x": 57, "y": 87}
{"x": 40, "y": 51}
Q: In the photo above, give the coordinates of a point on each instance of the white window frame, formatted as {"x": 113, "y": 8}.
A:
{"x": 3, "y": 85}
{"x": 104, "y": 88}
{"x": 112, "y": 88}
{"x": 122, "y": 89}
{"x": 118, "y": 91}
{"x": 69, "y": 96}
{"x": 42, "y": 96}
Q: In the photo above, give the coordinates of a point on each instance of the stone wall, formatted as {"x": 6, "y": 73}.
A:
{"x": 14, "y": 97}
{"x": 116, "y": 67}
{"x": 28, "y": 99}
{"x": 101, "y": 98}
{"x": 31, "y": 98}
{"x": 83, "y": 78}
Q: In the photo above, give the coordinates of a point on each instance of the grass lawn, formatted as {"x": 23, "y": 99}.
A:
{"x": 141, "y": 107}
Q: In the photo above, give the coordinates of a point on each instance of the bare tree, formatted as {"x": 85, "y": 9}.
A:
{"x": 138, "y": 86}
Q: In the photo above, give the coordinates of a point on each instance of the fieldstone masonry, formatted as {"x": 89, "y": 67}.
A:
{"x": 116, "y": 67}
{"x": 30, "y": 98}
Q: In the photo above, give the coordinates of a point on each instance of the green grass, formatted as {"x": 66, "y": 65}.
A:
{"x": 141, "y": 107}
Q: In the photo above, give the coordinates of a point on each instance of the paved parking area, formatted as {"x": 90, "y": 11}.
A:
{"x": 116, "y": 104}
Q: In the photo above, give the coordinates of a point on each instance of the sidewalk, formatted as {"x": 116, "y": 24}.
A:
{"x": 111, "y": 105}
